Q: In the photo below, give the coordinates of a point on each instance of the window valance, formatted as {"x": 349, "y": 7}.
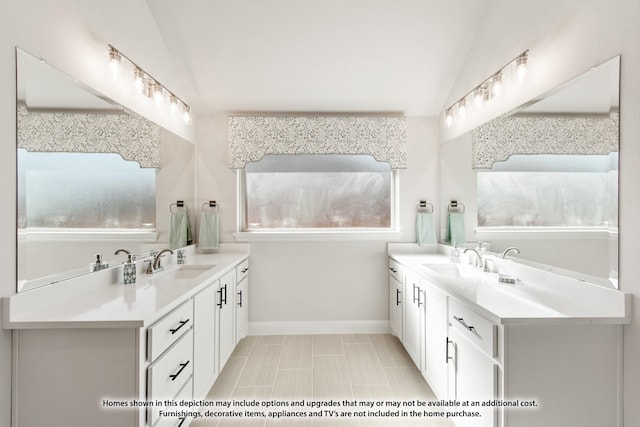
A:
{"x": 252, "y": 137}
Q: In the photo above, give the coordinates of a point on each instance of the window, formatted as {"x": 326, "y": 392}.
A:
{"x": 84, "y": 191}
{"x": 549, "y": 191}
{"x": 319, "y": 192}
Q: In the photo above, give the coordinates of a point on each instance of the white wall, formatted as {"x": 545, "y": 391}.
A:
{"x": 318, "y": 282}
{"x": 566, "y": 38}
{"x": 73, "y": 36}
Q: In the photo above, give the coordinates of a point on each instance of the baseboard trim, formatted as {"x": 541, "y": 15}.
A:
{"x": 328, "y": 327}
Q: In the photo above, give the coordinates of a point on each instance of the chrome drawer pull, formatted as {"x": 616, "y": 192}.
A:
{"x": 463, "y": 323}
{"x": 393, "y": 270}
{"x": 182, "y": 366}
{"x": 244, "y": 270}
{"x": 398, "y": 292}
{"x": 240, "y": 295}
{"x": 182, "y": 323}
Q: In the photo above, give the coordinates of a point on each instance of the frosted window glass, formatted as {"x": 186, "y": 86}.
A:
{"x": 318, "y": 192}
{"x": 84, "y": 190}
{"x": 545, "y": 199}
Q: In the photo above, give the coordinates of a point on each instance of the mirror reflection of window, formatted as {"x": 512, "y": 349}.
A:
{"x": 84, "y": 191}
{"x": 318, "y": 192}
{"x": 549, "y": 191}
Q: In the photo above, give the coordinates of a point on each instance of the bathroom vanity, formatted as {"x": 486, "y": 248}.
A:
{"x": 550, "y": 343}
{"x": 93, "y": 351}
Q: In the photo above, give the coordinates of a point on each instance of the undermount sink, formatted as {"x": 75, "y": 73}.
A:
{"x": 185, "y": 272}
{"x": 455, "y": 270}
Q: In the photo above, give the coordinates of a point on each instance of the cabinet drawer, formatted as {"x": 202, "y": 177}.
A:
{"x": 395, "y": 270}
{"x": 167, "y": 375}
{"x": 184, "y": 394}
{"x": 476, "y": 328}
{"x": 167, "y": 330}
{"x": 242, "y": 270}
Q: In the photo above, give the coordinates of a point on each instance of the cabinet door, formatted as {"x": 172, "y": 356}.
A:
{"x": 242, "y": 312}
{"x": 396, "y": 307}
{"x": 413, "y": 328}
{"x": 474, "y": 377}
{"x": 435, "y": 369}
{"x": 204, "y": 336}
{"x": 226, "y": 324}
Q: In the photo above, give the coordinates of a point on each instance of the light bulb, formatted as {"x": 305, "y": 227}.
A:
{"x": 521, "y": 67}
{"x": 114, "y": 63}
{"x": 478, "y": 97}
{"x": 449, "y": 118}
{"x": 186, "y": 115}
{"x": 462, "y": 108}
{"x": 173, "y": 104}
{"x": 496, "y": 86}
{"x": 138, "y": 80}
{"x": 158, "y": 93}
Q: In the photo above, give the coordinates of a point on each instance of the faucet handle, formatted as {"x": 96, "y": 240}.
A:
{"x": 149, "y": 266}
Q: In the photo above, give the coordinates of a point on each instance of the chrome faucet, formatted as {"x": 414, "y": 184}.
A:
{"x": 480, "y": 262}
{"x": 133, "y": 257}
{"x": 156, "y": 264}
{"x": 508, "y": 250}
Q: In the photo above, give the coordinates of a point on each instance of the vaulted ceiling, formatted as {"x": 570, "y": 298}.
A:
{"x": 320, "y": 55}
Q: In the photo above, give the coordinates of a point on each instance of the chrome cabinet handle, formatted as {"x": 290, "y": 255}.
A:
{"x": 223, "y": 300}
{"x": 463, "y": 323}
{"x": 182, "y": 323}
{"x": 393, "y": 270}
{"x": 240, "y": 295}
{"x": 420, "y": 293}
{"x": 182, "y": 366}
{"x": 398, "y": 292}
{"x": 414, "y": 292}
{"x": 244, "y": 270}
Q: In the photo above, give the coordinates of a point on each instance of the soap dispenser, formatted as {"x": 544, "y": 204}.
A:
{"x": 98, "y": 265}
{"x": 129, "y": 271}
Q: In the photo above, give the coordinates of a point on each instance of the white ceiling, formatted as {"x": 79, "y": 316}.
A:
{"x": 320, "y": 55}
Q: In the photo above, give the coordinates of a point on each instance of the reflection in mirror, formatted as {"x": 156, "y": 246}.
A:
{"x": 544, "y": 177}
{"x": 91, "y": 175}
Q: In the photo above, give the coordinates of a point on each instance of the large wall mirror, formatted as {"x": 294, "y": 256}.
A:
{"x": 93, "y": 177}
{"x": 544, "y": 177}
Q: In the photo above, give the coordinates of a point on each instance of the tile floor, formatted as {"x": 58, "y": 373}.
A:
{"x": 320, "y": 367}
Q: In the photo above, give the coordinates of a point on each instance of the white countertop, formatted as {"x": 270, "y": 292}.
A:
{"x": 80, "y": 303}
{"x": 537, "y": 297}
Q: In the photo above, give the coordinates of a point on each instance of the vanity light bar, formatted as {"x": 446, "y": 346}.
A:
{"x": 147, "y": 85}
{"x": 490, "y": 88}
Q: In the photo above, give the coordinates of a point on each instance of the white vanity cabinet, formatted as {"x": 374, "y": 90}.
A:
{"x": 435, "y": 337}
{"x": 414, "y": 318}
{"x": 396, "y": 299}
{"x": 242, "y": 300}
{"x": 204, "y": 335}
{"x": 101, "y": 353}
{"x": 559, "y": 370}
{"x": 225, "y": 306}
{"x": 473, "y": 373}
